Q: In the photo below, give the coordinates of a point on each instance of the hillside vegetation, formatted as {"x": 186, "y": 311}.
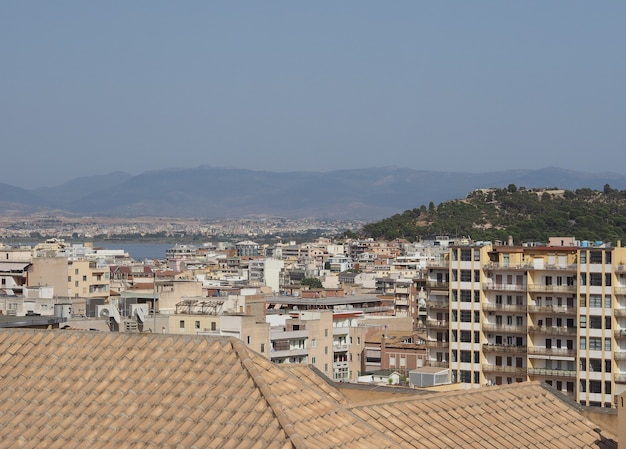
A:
{"x": 525, "y": 214}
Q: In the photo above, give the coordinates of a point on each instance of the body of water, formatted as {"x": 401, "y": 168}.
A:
{"x": 138, "y": 251}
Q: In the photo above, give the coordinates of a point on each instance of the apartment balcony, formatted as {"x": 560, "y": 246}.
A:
{"x": 495, "y": 266}
{"x": 619, "y": 312}
{"x": 340, "y": 365}
{"x": 289, "y": 353}
{"x": 619, "y": 355}
{"x": 438, "y": 304}
{"x": 437, "y": 344}
{"x": 438, "y": 285}
{"x": 620, "y": 333}
{"x": 401, "y": 302}
{"x": 552, "y": 266}
{"x": 504, "y": 287}
{"x": 620, "y": 378}
{"x": 552, "y": 330}
{"x": 286, "y": 335}
{"x": 438, "y": 364}
{"x": 504, "y": 328}
{"x": 619, "y": 290}
{"x": 504, "y": 369}
{"x": 341, "y": 348}
{"x": 552, "y": 352}
{"x": 434, "y": 324}
{"x": 551, "y": 372}
{"x": 341, "y": 330}
{"x": 568, "y": 310}
{"x": 488, "y": 306}
{"x": 510, "y": 349}
{"x": 552, "y": 288}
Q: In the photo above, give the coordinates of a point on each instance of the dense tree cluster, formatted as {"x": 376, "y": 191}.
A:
{"x": 524, "y": 214}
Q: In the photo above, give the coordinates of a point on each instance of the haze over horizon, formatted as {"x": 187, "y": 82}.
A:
{"x": 93, "y": 88}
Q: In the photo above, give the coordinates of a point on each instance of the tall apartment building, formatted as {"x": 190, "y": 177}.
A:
{"x": 554, "y": 313}
{"x": 330, "y": 340}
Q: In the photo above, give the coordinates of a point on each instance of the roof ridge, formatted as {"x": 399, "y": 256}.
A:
{"x": 271, "y": 399}
{"x": 435, "y": 395}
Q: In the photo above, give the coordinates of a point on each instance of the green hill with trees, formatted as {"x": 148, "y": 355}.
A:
{"x": 525, "y": 214}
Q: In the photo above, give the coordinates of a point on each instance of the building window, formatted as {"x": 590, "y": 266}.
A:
{"x": 595, "y": 322}
{"x": 607, "y": 344}
{"x": 325, "y": 332}
{"x": 76, "y": 271}
{"x": 465, "y": 377}
{"x": 197, "y": 324}
{"x": 84, "y": 278}
{"x": 466, "y": 337}
{"x": 595, "y": 301}
{"x": 181, "y": 324}
{"x": 466, "y": 357}
{"x": 595, "y": 343}
{"x": 595, "y": 257}
{"x": 262, "y": 347}
{"x": 69, "y": 279}
{"x": 466, "y": 276}
{"x": 313, "y": 342}
{"x": 213, "y": 325}
{"x": 326, "y": 350}
{"x": 313, "y": 360}
{"x": 607, "y": 301}
{"x": 248, "y": 339}
{"x": 466, "y": 255}
{"x": 326, "y": 367}
{"x": 583, "y": 342}
{"x": 595, "y": 279}
{"x": 466, "y": 316}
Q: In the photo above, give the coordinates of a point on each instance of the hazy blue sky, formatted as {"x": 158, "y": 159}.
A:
{"x": 93, "y": 87}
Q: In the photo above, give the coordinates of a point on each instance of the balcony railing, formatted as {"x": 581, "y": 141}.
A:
{"x": 401, "y": 302}
{"x": 504, "y": 348}
{"x": 288, "y": 353}
{"x": 504, "y": 307}
{"x": 437, "y": 344}
{"x": 619, "y": 290}
{"x": 438, "y": 285}
{"x": 504, "y": 328}
{"x": 556, "y": 352}
{"x": 504, "y": 369}
{"x": 552, "y": 330}
{"x": 506, "y": 266}
{"x": 438, "y": 304}
{"x": 619, "y": 355}
{"x": 504, "y": 287}
{"x": 340, "y": 347}
{"x": 434, "y": 324}
{"x": 339, "y": 365}
{"x": 551, "y": 372}
{"x": 619, "y": 312}
{"x": 620, "y": 333}
{"x": 552, "y": 309}
{"x": 620, "y": 378}
{"x": 438, "y": 364}
{"x": 552, "y": 288}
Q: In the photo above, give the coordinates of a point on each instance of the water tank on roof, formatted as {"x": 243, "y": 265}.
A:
{"x": 63, "y": 310}
{"x": 584, "y": 244}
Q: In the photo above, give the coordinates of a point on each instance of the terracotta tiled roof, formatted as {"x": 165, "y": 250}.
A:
{"x": 100, "y": 390}
{"x": 65, "y": 389}
{"x": 517, "y": 416}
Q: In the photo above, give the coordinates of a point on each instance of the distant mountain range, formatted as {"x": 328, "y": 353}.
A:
{"x": 208, "y": 192}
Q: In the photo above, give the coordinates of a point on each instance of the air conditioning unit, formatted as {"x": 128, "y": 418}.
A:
{"x": 109, "y": 310}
